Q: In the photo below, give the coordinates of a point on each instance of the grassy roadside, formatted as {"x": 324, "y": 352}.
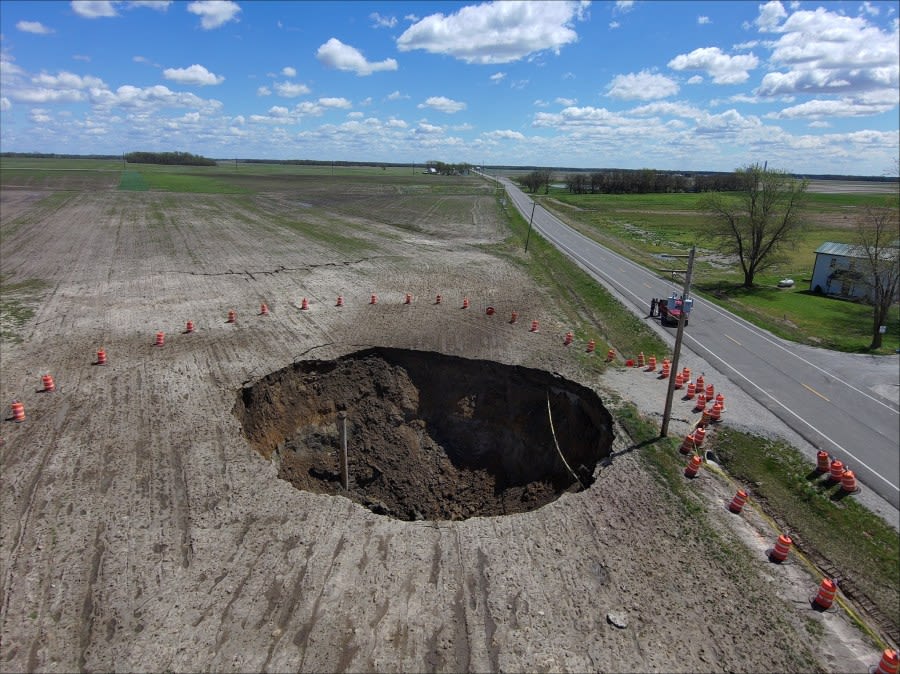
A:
{"x": 831, "y": 527}
{"x": 592, "y": 310}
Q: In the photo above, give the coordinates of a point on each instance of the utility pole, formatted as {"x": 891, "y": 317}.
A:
{"x": 528, "y": 238}
{"x": 682, "y": 317}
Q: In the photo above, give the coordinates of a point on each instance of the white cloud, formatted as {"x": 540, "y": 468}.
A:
{"x": 614, "y": 24}
{"x": 703, "y": 20}
{"x": 330, "y": 102}
{"x": 643, "y": 86}
{"x": 566, "y": 101}
{"x": 723, "y": 69}
{"x": 214, "y": 13}
{"x": 769, "y": 15}
{"x": 540, "y": 103}
{"x": 426, "y": 128}
{"x": 263, "y": 91}
{"x": 288, "y": 71}
{"x": 35, "y": 27}
{"x": 823, "y": 52}
{"x": 335, "y": 54}
{"x": 195, "y": 74}
{"x": 290, "y": 89}
{"x": 504, "y": 134}
{"x": 497, "y": 77}
{"x": 158, "y": 5}
{"x": 94, "y": 9}
{"x": 40, "y": 116}
{"x": 869, "y": 9}
{"x": 379, "y": 21}
{"x": 497, "y": 32}
{"x": 695, "y": 79}
{"x": 443, "y": 104}
{"x": 396, "y": 96}
{"x": 844, "y": 107}
{"x": 623, "y": 6}
{"x": 4, "y": 104}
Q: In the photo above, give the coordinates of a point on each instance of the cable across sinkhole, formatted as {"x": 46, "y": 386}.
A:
{"x": 427, "y": 436}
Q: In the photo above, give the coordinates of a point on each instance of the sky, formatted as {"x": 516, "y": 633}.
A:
{"x": 806, "y": 87}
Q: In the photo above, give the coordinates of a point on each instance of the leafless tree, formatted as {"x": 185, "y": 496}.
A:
{"x": 763, "y": 215}
{"x": 877, "y": 233}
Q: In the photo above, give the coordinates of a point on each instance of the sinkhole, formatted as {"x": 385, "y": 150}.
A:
{"x": 428, "y": 436}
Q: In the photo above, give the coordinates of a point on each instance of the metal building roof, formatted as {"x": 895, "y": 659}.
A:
{"x": 842, "y": 249}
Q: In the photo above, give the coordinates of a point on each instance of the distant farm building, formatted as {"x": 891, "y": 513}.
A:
{"x": 841, "y": 269}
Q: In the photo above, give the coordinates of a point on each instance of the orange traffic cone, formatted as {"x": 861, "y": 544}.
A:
{"x": 18, "y": 411}
{"x": 160, "y": 339}
{"x": 514, "y": 317}
{"x": 263, "y": 309}
{"x": 101, "y": 356}
{"x": 825, "y": 596}
{"x": 232, "y": 316}
{"x": 591, "y": 345}
{"x": 737, "y": 503}
{"x": 889, "y": 663}
{"x": 47, "y": 381}
{"x": 568, "y": 339}
{"x": 340, "y": 301}
{"x": 304, "y": 304}
{"x": 782, "y": 547}
{"x": 837, "y": 470}
{"x": 534, "y": 326}
{"x": 693, "y": 467}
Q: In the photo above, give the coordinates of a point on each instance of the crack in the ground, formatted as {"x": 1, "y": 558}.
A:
{"x": 271, "y": 272}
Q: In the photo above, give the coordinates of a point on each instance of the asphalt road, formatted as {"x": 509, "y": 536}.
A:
{"x": 832, "y": 407}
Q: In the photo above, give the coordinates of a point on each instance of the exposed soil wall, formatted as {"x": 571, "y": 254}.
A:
{"x": 430, "y": 436}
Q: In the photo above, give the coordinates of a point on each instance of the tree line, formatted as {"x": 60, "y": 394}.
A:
{"x": 168, "y": 158}
{"x": 649, "y": 181}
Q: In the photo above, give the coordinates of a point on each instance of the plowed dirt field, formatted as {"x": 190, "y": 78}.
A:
{"x": 141, "y": 531}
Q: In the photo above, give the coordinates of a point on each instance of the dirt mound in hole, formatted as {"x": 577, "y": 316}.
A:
{"x": 429, "y": 436}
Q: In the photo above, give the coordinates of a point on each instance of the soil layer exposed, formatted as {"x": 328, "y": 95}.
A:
{"x": 429, "y": 436}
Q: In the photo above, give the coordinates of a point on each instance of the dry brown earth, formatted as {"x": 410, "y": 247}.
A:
{"x": 142, "y": 532}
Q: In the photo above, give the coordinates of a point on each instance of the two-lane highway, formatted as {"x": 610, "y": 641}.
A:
{"x": 834, "y": 413}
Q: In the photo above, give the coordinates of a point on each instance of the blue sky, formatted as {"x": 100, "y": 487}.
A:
{"x": 809, "y": 87}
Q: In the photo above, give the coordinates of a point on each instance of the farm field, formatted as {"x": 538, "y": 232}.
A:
{"x": 144, "y": 531}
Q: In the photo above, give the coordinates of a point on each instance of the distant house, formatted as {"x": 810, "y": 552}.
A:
{"x": 840, "y": 269}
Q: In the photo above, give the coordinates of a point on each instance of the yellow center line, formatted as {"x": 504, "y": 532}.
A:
{"x": 810, "y": 388}
{"x": 734, "y": 340}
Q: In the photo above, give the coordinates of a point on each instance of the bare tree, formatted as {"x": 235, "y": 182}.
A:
{"x": 763, "y": 215}
{"x": 877, "y": 232}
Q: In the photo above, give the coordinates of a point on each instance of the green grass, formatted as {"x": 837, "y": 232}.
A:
{"x": 133, "y": 181}
{"x": 840, "y": 530}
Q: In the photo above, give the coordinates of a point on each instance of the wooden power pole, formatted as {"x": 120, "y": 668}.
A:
{"x": 682, "y": 317}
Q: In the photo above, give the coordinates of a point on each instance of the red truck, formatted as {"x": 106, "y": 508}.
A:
{"x": 670, "y": 309}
